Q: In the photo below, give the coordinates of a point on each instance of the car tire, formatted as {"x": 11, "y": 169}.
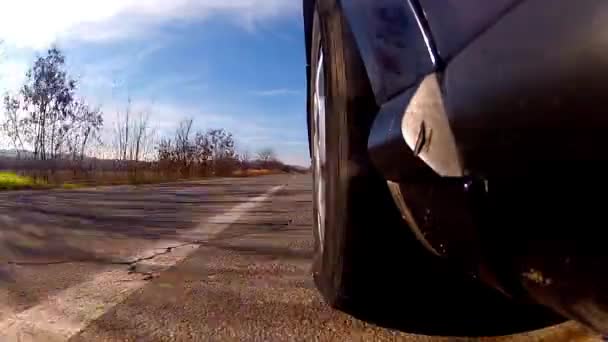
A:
{"x": 349, "y": 196}
{"x": 366, "y": 261}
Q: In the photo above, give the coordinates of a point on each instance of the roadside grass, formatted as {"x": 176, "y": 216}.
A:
{"x": 255, "y": 172}
{"x": 74, "y": 179}
{"x": 70, "y": 180}
{"x": 13, "y": 181}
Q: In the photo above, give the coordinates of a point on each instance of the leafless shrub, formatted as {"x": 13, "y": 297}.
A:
{"x": 55, "y": 135}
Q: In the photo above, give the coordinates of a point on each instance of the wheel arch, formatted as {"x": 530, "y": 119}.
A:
{"x": 392, "y": 38}
{"x": 308, "y": 7}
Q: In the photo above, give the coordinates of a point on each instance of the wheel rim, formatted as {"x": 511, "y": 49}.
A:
{"x": 319, "y": 146}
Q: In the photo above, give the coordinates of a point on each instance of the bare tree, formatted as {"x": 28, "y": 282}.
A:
{"x": 90, "y": 125}
{"x": 46, "y": 96}
{"x": 203, "y": 152}
{"x": 11, "y": 125}
{"x": 211, "y": 152}
{"x": 121, "y": 132}
{"x": 52, "y": 122}
{"x": 266, "y": 155}
{"x": 165, "y": 150}
{"x": 221, "y": 144}
{"x": 182, "y": 136}
{"x": 245, "y": 156}
{"x": 85, "y": 126}
{"x": 133, "y": 135}
{"x": 184, "y": 149}
{"x": 245, "y": 159}
{"x": 143, "y": 137}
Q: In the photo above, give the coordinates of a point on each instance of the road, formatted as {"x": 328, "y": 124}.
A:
{"x": 216, "y": 260}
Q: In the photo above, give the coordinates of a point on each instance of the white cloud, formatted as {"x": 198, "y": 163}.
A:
{"x": 35, "y": 24}
{"x": 28, "y": 26}
{"x": 12, "y": 74}
{"x": 276, "y": 92}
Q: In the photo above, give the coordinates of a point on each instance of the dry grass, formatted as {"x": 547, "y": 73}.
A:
{"x": 255, "y": 172}
{"x": 69, "y": 179}
{"x": 72, "y": 179}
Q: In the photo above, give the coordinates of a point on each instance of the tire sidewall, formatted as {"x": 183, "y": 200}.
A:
{"x": 325, "y": 256}
{"x": 347, "y": 160}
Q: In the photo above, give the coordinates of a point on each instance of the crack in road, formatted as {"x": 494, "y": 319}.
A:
{"x": 132, "y": 264}
{"x": 167, "y": 250}
{"x": 102, "y": 275}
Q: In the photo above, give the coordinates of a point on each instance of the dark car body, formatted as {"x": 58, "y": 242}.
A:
{"x": 505, "y": 101}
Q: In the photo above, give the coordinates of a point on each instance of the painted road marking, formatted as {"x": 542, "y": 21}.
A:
{"x": 71, "y": 310}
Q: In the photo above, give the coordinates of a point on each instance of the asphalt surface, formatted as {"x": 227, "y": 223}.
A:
{"x": 217, "y": 260}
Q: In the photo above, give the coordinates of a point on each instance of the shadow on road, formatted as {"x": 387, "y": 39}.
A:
{"x": 105, "y": 225}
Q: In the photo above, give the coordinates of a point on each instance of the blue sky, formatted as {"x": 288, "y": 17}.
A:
{"x": 233, "y": 64}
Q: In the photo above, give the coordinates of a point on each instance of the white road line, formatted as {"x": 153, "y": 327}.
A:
{"x": 69, "y": 311}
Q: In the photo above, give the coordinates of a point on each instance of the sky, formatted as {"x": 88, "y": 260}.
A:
{"x": 232, "y": 64}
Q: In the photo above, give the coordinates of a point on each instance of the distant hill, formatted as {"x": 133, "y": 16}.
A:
{"x": 25, "y": 154}
{"x": 12, "y": 153}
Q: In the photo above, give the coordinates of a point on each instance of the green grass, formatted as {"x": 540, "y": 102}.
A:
{"x": 12, "y": 181}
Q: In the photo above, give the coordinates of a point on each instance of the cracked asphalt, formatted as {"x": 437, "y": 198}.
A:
{"x": 216, "y": 260}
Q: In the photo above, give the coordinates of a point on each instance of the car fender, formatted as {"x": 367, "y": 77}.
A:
{"x": 392, "y": 38}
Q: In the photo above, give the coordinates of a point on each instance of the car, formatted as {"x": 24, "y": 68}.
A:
{"x": 459, "y": 162}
